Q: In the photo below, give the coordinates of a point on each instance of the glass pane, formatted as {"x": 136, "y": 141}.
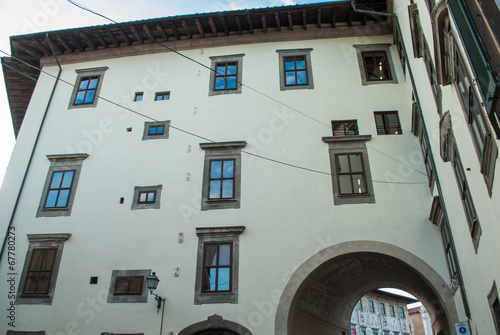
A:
{"x": 48, "y": 261}
{"x": 62, "y": 201}
{"x": 215, "y": 189}
{"x": 79, "y": 97}
{"x": 216, "y": 169}
{"x": 68, "y": 179}
{"x": 227, "y": 189}
{"x": 89, "y": 97}
{"x": 31, "y": 282}
{"x": 210, "y": 254}
{"x": 228, "y": 169}
{"x": 51, "y": 199}
{"x": 369, "y": 60}
{"x": 224, "y": 254}
{"x": 138, "y": 97}
{"x": 142, "y": 197}
{"x": 151, "y": 196}
{"x": 84, "y": 84}
{"x": 159, "y": 130}
{"x": 36, "y": 259}
{"x": 221, "y": 70}
{"x": 152, "y": 130}
{"x": 43, "y": 282}
{"x": 345, "y": 186}
{"x": 223, "y": 284}
{"x": 300, "y": 65}
{"x": 356, "y": 165}
{"x": 392, "y": 119}
{"x": 121, "y": 285}
{"x": 301, "y": 78}
{"x": 289, "y": 65}
{"x": 212, "y": 275}
{"x": 359, "y": 183}
{"x": 290, "y": 78}
{"x": 159, "y": 97}
{"x": 231, "y": 69}
{"x": 56, "y": 179}
{"x": 135, "y": 285}
{"x": 231, "y": 82}
{"x": 220, "y": 83}
{"x": 343, "y": 163}
{"x": 93, "y": 83}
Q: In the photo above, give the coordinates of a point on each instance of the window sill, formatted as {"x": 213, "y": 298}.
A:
{"x": 215, "y": 201}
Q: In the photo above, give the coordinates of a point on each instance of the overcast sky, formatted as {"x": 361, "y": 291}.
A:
{"x": 29, "y": 16}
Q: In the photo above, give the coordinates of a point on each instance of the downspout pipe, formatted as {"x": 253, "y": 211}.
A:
{"x": 14, "y": 210}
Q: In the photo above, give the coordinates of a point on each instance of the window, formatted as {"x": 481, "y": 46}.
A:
{"x": 387, "y": 123}
{"x": 295, "y": 69}
{"x": 401, "y": 313}
{"x": 146, "y": 197}
{"x": 160, "y": 96}
{"x": 128, "y": 286}
{"x": 375, "y": 64}
{"x": 226, "y": 76}
{"x": 371, "y": 306}
{"x": 431, "y": 72}
{"x": 87, "y": 87}
{"x": 428, "y": 159}
{"x": 345, "y": 128}
{"x": 41, "y": 267}
{"x": 359, "y": 305}
{"x": 156, "y": 130}
{"x": 217, "y": 265}
{"x": 470, "y": 210}
{"x": 60, "y": 185}
{"x": 398, "y": 40}
{"x": 139, "y": 96}
{"x": 382, "y": 309}
{"x": 221, "y": 175}
{"x": 495, "y": 306}
{"x": 351, "y": 177}
{"x": 416, "y": 31}
{"x": 391, "y": 311}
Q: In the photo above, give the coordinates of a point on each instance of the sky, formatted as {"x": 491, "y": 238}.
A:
{"x": 31, "y": 16}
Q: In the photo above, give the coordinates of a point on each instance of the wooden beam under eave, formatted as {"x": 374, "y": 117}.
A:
{"x": 40, "y": 47}
{"x": 27, "y": 49}
{"x": 64, "y": 43}
{"x": 212, "y": 25}
{"x": 334, "y": 19}
{"x": 114, "y": 39}
{"x": 264, "y": 23}
{"x": 277, "y": 19}
{"x": 136, "y": 34}
{"x": 102, "y": 40}
{"x": 290, "y": 20}
{"x": 250, "y": 24}
{"x": 319, "y": 17}
{"x": 200, "y": 27}
{"x": 176, "y": 32}
{"x": 125, "y": 36}
{"x": 304, "y": 19}
{"x": 76, "y": 43}
{"x": 149, "y": 32}
{"x": 186, "y": 29}
{"x": 238, "y": 24}
{"x": 162, "y": 31}
{"x": 57, "y": 50}
{"x": 88, "y": 40}
{"x": 224, "y": 24}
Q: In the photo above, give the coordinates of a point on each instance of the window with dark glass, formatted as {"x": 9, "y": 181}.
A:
{"x": 86, "y": 90}
{"x": 146, "y": 197}
{"x": 449, "y": 250}
{"x": 350, "y": 173}
{"x": 130, "y": 285}
{"x": 156, "y": 130}
{"x": 221, "y": 182}
{"x": 387, "y": 123}
{"x": 226, "y": 76}
{"x": 382, "y": 309}
{"x": 217, "y": 266}
{"x": 371, "y": 306}
{"x": 391, "y": 311}
{"x": 345, "y": 128}
{"x": 359, "y": 305}
{"x": 401, "y": 313}
{"x": 431, "y": 72}
{"x": 160, "y": 96}
{"x": 376, "y": 66}
{"x": 59, "y": 189}
{"x": 40, "y": 269}
{"x": 139, "y": 96}
{"x": 295, "y": 70}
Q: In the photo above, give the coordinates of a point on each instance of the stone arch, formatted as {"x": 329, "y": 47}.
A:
{"x": 443, "y": 42}
{"x": 215, "y": 322}
{"x": 339, "y": 262}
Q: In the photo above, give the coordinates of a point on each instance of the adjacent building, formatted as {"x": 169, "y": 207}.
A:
{"x": 270, "y": 166}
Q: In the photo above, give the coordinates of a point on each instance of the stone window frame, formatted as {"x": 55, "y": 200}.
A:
{"x": 350, "y": 144}
{"x": 382, "y": 47}
{"x": 306, "y": 52}
{"x": 400, "y": 44}
{"x": 222, "y": 151}
{"x": 128, "y": 298}
{"x": 492, "y": 301}
{"x": 166, "y": 130}
{"x": 135, "y": 198}
{"x": 371, "y": 306}
{"x": 82, "y": 73}
{"x": 238, "y": 58}
{"x": 229, "y": 234}
{"x": 139, "y": 96}
{"x": 61, "y": 163}
{"x": 41, "y": 241}
{"x": 417, "y": 36}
